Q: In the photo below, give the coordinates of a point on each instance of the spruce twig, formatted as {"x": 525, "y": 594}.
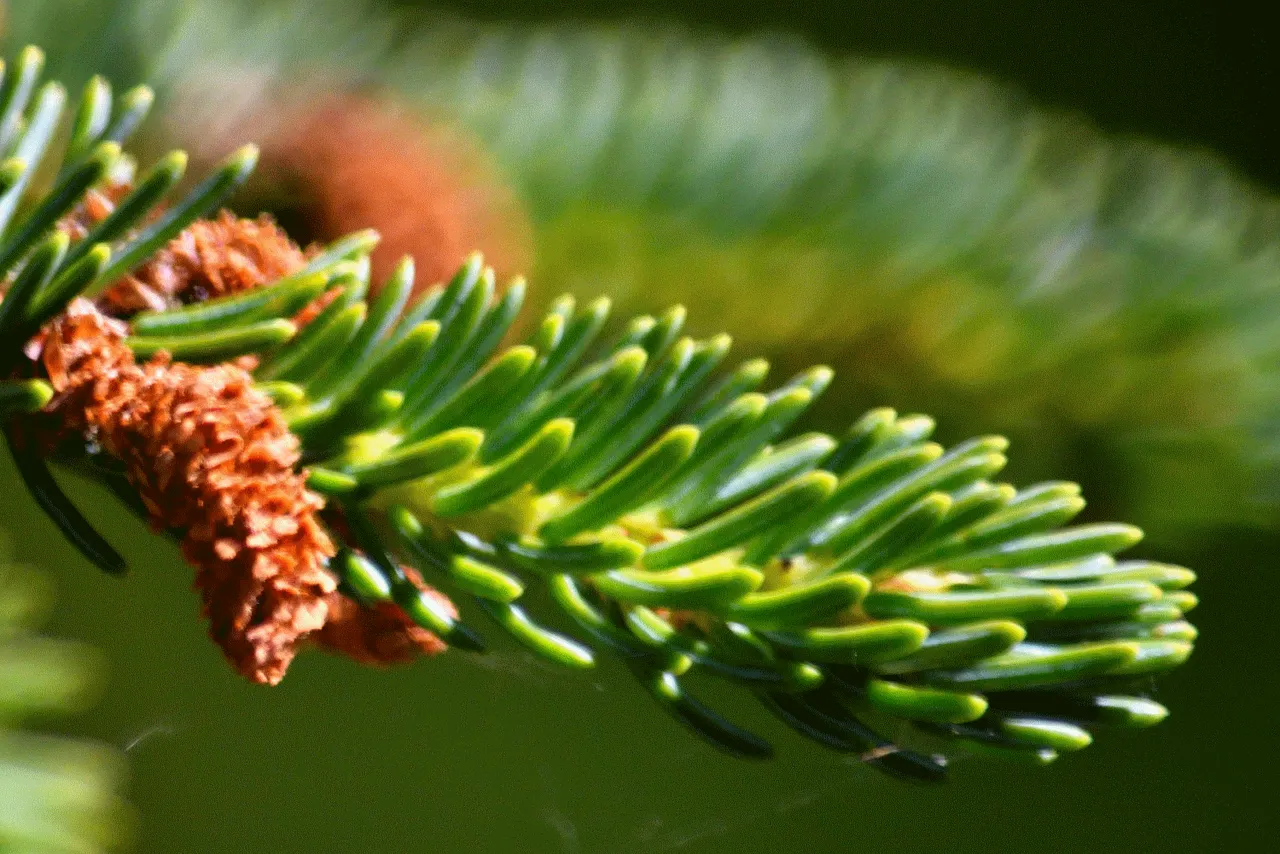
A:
{"x": 672, "y": 516}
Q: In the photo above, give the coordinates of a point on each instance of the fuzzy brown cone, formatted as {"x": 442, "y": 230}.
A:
{"x": 210, "y": 258}
{"x": 214, "y": 258}
{"x": 382, "y": 634}
{"x": 349, "y": 161}
{"x": 212, "y": 457}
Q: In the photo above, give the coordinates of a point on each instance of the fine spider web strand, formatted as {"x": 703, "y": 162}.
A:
{"x": 556, "y": 815}
{"x": 151, "y": 733}
{"x": 658, "y": 836}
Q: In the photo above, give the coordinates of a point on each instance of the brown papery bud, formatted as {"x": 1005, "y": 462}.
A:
{"x": 210, "y": 456}
{"x": 211, "y": 258}
{"x": 382, "y": 634}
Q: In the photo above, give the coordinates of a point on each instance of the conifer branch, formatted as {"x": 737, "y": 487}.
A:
{"x": 662, "y": 497}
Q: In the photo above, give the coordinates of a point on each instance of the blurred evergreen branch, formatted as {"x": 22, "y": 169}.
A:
{"x": 941, "y": 240}
{"x": 935, "y": 237}
{"x": 663, "y": 504}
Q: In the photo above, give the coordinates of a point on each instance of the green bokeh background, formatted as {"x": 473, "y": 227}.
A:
{"x": 502, "y": 753}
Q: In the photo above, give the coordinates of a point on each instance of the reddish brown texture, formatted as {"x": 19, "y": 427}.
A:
{"x": 129, "y": 295}
{"x": 210, "y": 258}
{"x": 314, "y": 308}
{"x": 380, "y": 635}
{"x": 361, "y": 162}
{"x": 98, "y": 204}
{"x": 212, "y": 457}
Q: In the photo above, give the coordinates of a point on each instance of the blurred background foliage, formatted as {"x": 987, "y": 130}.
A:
{"x": 948, "y": 245}
{"x": 943, "y": 242}
{"x": 56, "y": 794}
